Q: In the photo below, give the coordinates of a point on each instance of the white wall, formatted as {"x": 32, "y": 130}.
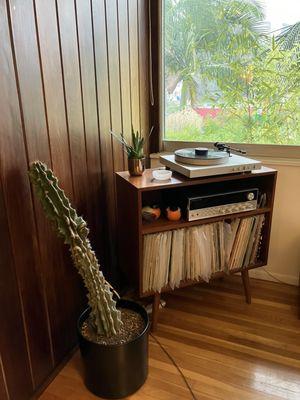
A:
{"x": 284, "y": 254}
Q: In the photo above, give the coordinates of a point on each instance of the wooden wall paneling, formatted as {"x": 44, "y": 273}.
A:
{"x": 134, "y": 62}
{"x": 114, "y": 81}
{"x": 35, "y": 128}
{"x": 84, "y": 32}
{"x": 67, "y": 33}
{"x": 54, "y": 92}
{"x": 72, "y": 87}
{"x": 101, "y": 65}
{"x": 30, "y": 80}
{"x": 3, "y": 386}
{"x": 18, "y": 200}
{"x": 143, "y": 34}
{"x": 69, "y": 72}
{"x": 63, "y": 294}
{"x": 13, "y": 348}
{"x": 123, "y": 34}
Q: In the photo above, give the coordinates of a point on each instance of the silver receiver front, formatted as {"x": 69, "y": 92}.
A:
{"x": 214, "y": 205}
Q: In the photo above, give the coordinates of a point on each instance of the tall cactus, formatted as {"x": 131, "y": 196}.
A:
{"x": 73, "y": 229}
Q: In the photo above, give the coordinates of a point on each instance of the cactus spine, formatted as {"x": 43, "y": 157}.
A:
{"x": 73, "y": 229}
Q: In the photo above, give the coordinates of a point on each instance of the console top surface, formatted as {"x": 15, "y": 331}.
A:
{"x": 146, "y": 181}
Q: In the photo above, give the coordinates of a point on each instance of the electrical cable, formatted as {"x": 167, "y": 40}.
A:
{"x": 274, "y": 277}
{"x": 176, "y": 366}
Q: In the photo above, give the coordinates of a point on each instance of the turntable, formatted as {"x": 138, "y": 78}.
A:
{"x": 201, "y": 162}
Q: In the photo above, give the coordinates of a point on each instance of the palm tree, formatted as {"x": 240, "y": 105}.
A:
{"x": 289, "y": 37}
{"x": 202, "y": 38}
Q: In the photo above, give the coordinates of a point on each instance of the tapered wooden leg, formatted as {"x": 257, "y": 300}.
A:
{"x": 155, "y": 310}
{"x": 247, "y": 288}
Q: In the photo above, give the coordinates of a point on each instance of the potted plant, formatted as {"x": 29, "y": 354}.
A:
{"x": 113, "y": 335}
{"x": 135, "y": 151}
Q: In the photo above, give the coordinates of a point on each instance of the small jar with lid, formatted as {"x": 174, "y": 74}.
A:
{"x": 173, "y": 213}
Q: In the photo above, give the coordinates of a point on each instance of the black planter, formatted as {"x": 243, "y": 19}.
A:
{"x": 115, "y": 371}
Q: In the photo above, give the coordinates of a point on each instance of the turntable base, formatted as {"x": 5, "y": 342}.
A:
{"x": 235, "y": 164}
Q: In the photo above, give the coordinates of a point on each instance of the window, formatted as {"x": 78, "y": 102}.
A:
{"x": 232, "y": 71}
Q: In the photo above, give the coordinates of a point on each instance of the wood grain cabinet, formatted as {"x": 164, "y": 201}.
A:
{"x": 134, "y": 192}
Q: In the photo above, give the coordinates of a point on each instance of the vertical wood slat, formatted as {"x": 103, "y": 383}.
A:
{"x": 67, "y": 33}
{"x": 54, "y": 92}
{"x": 123, "y": 30}
{"x": 134, "y": 62}
{"x": 3, "y": 385}
{"x": 114, "y": 81}
{"x": 101, "y": 66}
{"x": 14, "y": 355}
{"x": 72, "y": 87}
{"x": 67, "y": 76}
{"x": 64, "y": 282}
{"x": 116, "y": 123}
{"x": 17, "y": 197}
{"x": 35, "y": 126}
{"x": 84, "y": 32}
{"x": 143, "y": 37}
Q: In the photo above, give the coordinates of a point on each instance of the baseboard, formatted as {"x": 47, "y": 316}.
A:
{"x": 260, "y": 273}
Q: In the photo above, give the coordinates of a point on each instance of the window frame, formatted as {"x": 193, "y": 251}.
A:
{"x": 259, "y": 150}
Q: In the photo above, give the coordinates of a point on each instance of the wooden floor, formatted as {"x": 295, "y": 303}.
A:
{"x": 226, "y": 348}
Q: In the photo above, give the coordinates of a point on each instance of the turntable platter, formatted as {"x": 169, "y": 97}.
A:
{"x": 189, "y": 156}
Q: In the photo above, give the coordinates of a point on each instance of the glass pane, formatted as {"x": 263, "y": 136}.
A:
{"x": 232, "y": 70}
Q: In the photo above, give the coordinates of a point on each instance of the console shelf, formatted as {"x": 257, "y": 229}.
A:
{"x": 134, "y": 192}
{"x": 163, "y": 224}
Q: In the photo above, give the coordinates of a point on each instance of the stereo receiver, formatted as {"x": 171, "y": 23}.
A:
{"x": 214, "y": 205}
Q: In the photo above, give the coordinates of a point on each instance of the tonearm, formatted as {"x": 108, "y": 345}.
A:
{"x": 225, "y": 147}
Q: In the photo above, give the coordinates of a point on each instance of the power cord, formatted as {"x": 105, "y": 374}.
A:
{"x": 274, "y": 277}
{"x": 176, "y": 366}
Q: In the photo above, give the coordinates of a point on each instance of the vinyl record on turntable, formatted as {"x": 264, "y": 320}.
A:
{"x": 201, "y": 156}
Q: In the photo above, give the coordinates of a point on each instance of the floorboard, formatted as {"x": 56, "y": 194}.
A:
{"x": 227, "y": 349}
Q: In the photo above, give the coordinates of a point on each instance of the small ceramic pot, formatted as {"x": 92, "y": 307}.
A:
{"x": 151, "y": 213}
{"x": 136, "y": 166}
{"x": 173, "y": 213}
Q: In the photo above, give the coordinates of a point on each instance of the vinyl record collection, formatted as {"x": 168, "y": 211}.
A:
{"x": 199, "y": 251}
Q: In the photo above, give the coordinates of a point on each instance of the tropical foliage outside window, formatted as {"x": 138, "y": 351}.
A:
{"x": 229, "y": 75}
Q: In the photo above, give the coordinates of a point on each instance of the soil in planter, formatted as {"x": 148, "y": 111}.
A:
{"x": 133, "y": 326}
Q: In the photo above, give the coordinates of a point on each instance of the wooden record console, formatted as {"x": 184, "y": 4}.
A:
{"x": 134, "y": 192}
